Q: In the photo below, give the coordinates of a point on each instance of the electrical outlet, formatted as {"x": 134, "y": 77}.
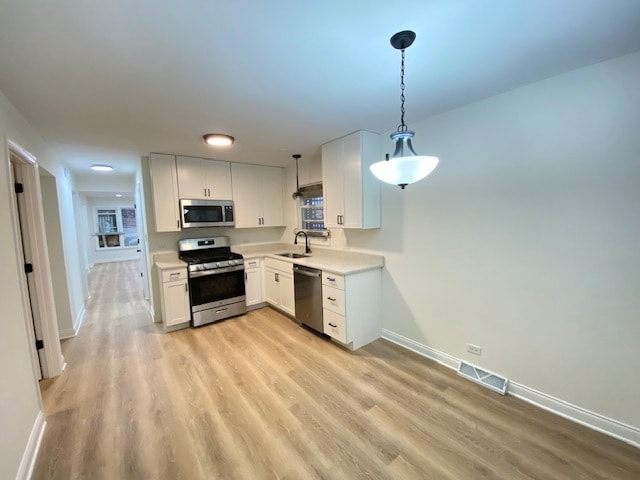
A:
{"x": 476, "y": 350}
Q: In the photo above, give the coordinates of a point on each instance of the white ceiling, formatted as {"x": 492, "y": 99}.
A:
{"x": 109, "y": 81}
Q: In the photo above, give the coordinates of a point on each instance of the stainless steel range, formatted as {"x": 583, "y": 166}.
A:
{"x": 216, "y": 279}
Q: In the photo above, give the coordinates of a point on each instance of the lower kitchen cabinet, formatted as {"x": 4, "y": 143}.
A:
{"x": 352, "y": 307}
{"x": 253, "y": 281}
{"x": 174, "y": 295}
{"x": 278, "y": 285}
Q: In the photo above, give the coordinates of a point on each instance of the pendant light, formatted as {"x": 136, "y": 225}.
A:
{"x": 297, "y": 193}
{"x": 405, "y": 166}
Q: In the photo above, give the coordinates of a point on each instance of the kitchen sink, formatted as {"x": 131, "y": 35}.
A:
{"x": 292, "y": 255}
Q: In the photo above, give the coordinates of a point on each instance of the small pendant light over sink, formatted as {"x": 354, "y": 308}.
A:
{"x": 405, "y": 166}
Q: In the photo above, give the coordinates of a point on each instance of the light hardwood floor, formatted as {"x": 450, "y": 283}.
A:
{"x": 259, "y": 397}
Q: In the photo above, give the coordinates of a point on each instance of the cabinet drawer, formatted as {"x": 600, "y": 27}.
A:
{"x": 251, "y": 263}
{"x": 333, "y": 280}
{"x": 334, "y": 325}
{"x": 278, "y": 265}
{"x": 174, "y": 274}
{"x": 333, "y": 299}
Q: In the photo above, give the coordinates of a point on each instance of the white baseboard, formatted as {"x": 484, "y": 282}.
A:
{"x": 77, "y": 323}
{"x": 608, "y": 426}
{"x": 31, "y": 451}
{"x": 435, "y": 355}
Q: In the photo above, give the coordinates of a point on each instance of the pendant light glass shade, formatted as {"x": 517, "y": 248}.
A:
{"x": 405, "y": 166}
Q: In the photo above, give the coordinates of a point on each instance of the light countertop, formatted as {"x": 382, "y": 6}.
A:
{"x": 341, "y": 262}
{"x": 165, "y": 261}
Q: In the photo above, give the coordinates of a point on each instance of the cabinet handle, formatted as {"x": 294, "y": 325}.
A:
{"x": 245, "y": 276}
{"x": 178, "y": 224}
{"x": 173, "y": 275}
{"x": 277, "y": 277}
{"x": 331, "y": 279}
{"x": 333, "y": 325}
{"x": 331, "y": 299}
{"x": 186, "y": 287}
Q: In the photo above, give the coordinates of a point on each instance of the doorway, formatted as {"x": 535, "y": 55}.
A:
{"x": 37, "y": 287}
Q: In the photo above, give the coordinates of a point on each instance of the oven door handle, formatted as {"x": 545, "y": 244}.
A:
{"x": 204, "y": 273}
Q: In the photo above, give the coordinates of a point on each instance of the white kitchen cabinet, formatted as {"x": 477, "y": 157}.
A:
{"x": 278, "y": 278}
{"x": 351, "y": 192}
{"x": 174, "y": 296}
{"x": 352, "y": 307}
{"x": 201, "y": 178}
{"x": 257, "y": 195}
{"x": 164, "y": 190}
{"x": 253, "y": 281}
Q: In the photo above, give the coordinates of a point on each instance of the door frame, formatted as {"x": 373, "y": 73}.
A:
{"x": 46, "y": 313}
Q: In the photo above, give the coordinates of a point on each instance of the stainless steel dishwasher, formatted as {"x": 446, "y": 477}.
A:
{"x": 308, "y": 294}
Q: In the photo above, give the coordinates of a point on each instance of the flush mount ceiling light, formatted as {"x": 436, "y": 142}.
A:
{"x": 218, "y": 139}
{"x": 405, "y": 166}
{"x": 101, "y": 167}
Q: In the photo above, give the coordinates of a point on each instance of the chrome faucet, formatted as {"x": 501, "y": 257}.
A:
{"x": 306, "y": 241}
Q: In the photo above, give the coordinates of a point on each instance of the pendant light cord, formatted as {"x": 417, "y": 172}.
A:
{"x": 402, "y": 127}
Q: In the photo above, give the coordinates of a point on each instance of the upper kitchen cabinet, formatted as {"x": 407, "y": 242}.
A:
{"x": 164, "y": 190}
{"x": 203, "y": 178}
{"x": 258, "y": 195}
{"x": 351, "y": 192}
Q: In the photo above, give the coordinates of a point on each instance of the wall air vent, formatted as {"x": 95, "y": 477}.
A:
{"x": 487, "y": 379}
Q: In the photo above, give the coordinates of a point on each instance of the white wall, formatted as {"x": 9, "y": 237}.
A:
{"x": 19, "y": 396}
{"x": 105, "y": 182}
{"x": 525, "y": 239}
{"x": 56, "y": 254}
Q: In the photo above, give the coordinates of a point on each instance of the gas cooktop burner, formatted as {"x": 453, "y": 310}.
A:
{"x": 205, "y": 257}
{"x": 208, "y": 253}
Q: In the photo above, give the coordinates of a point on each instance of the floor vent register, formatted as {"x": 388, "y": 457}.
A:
{"x": 487, "y": 379}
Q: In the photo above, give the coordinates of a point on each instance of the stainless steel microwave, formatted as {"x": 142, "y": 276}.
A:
{"x": 206, "y": 213}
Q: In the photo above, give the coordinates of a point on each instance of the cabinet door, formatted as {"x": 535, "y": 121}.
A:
{"x": 271, "y": 181}
{"x": 176, "y": 303}
{"x": 287, "y": 294}
{"x": 217, "y": 179}
{"x": 351, "y": 192}
{"x": 332, "y": 183}
{"x": 253, "y": 286}
{"x": 351, "y": 162}
{"x": 190, "y": 178}
{"x": 271, "y": 287}
{"x": 164, "y": 186}
{"x": 246, "y": 196}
